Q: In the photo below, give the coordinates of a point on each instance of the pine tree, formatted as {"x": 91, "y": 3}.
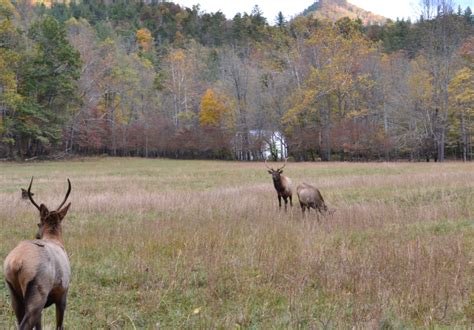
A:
{"x": 280, "y": 20}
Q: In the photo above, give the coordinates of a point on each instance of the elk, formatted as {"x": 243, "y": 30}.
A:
{"x": 310, "y": 197}
{"x": 24, "y": 194}
{"x": 282, "y": 184}
{"x": 37, "y": 271}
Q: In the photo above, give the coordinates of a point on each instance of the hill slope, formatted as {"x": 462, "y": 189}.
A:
{"x": 336, "y": 9}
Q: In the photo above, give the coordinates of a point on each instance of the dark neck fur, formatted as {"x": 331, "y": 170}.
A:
{"x": 278, "y": 185}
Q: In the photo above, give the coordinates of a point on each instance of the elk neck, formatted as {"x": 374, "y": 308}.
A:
{"x": 53, "y": 233}
{"x": 278, "y": 184}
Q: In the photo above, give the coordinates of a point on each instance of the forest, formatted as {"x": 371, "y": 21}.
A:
{"x": 155, "y": 79}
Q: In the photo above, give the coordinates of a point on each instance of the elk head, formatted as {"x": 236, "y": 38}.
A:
{"x": 50, "y": 221}
{"x": 276, "y": 173}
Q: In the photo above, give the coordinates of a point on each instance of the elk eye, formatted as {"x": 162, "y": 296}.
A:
{"x": 39, "y": 225}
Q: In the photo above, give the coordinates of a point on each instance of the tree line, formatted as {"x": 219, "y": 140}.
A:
{"x": 134, "y": 78}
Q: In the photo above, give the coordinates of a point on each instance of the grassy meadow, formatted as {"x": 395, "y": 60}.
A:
{"x": 201, "y": 244}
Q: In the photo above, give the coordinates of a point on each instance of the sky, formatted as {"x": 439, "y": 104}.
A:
{"x": 289, "y": 8}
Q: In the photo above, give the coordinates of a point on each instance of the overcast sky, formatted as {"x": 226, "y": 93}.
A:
{"x": 290, "y": 8}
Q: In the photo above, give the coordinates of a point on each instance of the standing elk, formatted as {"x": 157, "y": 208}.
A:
{"x": 37, "y": 272}
{"x": 310, "y": 198}
{"x": 282, "y": 184}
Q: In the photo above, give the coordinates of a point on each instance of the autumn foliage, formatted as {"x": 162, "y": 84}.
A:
{"x": 156, "y": 79}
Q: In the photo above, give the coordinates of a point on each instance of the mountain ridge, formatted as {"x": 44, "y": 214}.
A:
{"x": 336, "y": 9}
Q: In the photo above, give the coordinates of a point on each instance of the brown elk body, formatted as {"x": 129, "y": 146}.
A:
{"x": 310, "y": 198}
{"x": 37, "y": 272}
{"x": 282, "y": 184}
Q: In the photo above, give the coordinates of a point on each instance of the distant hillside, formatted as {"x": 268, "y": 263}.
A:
{"x": 336, "y": 9}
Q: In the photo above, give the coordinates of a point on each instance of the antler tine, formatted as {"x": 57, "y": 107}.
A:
{"x": 268, "y": 166}
{"x": 30, "y": 196}
{"x": 67, "y": 195}
{"x": 286, "y": 160}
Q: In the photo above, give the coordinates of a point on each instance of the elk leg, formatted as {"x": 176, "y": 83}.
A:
{"x": 279, "y": 201}
{"x": 35, "y": 300}
{"x": 302, "y": 207}
{"x": 286, "y": 202}
{"x": 17, "y": 304}
{"x": 60, "y": 309}
{"x": 318, "y": 212}
{"x": 291, "y": 201}
{"x": 32, "y": 318}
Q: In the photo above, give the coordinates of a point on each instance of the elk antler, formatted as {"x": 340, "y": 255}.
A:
{"x": 30, "y": 195}
{"x": 271, "y": 169}
{"x": 286, "y": 159}
{"x": 67, "y": 195}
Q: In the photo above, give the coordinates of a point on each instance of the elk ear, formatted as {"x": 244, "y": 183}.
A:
{"x": 23, "y": 190}
{"x": 269, "y": 171}
{"x": 62, "y": 213}
{"x": 280, "y": 171}
{"x": 44, "y": 212}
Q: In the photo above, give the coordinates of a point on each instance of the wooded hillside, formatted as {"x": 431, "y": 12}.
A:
{"x": 336, "y": 9}
{"x": 131, "y": 78}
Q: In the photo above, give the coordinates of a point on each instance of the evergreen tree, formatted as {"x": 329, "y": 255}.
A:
{"x": 280, "y": 20}
{"x": 49, "y": 85}
{"x": 468, "y": 15}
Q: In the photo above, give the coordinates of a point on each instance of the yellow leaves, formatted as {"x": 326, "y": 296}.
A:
{"x": 290, "y": 118}
{"x": 46, "y": 3}
{"x": 8, "y": 77}
{"x": 143, "y": 61}
{"x": 214, "y": 111}
{"x": 420, "y": 80}
{"x": 339, "y": 81}
{"x": 357, "y": 114}
{"x": 179, "y": 39}
{"x": 144, "y": 39}
{"x": 366, "y": 81}
{"x": 7, "y": 9}
{"x": 7, "y": 74}
{"x": 177, "y": 56}
{"x": 462, "y": 86}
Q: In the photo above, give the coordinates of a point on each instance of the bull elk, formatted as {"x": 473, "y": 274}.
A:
{"x": 37, "y": 271}
{"x": 310, "y": 198}
{"x": 282, "y": 184}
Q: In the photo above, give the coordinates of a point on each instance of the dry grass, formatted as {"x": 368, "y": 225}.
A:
{"x": 173, "y": 244}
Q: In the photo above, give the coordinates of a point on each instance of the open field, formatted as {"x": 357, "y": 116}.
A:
{"x": 200, "y": 244}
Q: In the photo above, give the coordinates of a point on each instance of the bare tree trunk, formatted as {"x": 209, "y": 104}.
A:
{"x": 463, "y": 137}
{"x": 239, "y": 76}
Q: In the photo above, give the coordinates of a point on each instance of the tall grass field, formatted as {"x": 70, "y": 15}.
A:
{"x": 157, "y": 244}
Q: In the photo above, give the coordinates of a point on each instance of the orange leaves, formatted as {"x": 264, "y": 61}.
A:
{"x": 144, "y": 39}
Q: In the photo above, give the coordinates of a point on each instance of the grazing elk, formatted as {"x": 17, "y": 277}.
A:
{"x": 24, "y": 194}
{"x": 310, "y": 197}
{"x": 282, "y": 184}
{"x": 37, "y": 272}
